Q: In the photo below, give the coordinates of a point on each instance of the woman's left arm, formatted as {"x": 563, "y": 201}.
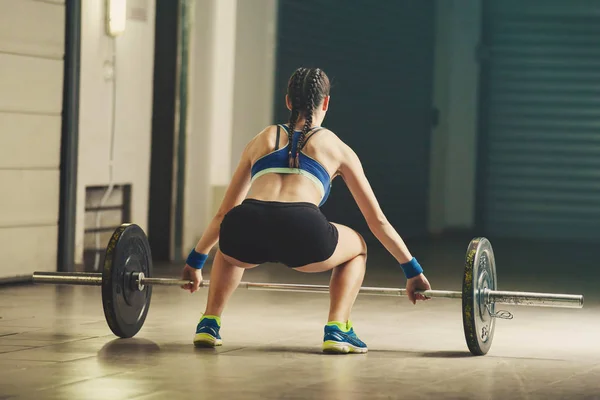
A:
{"x": 235, "y": 194}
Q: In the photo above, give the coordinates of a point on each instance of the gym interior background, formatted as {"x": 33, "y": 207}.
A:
{"x": 482, "y": 141}
{"x": 130, "y": 138}
{"x": 489, "y": 110}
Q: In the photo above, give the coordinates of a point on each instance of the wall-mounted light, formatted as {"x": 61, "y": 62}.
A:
{"x": 116, "y": 17}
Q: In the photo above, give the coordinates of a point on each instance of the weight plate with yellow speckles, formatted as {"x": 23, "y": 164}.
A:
{"x": 480, "y": 274}
{"x": 125, "y": 306}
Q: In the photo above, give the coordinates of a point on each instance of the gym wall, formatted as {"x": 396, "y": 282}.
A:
{"x": 31, "y": 93}
{"x": 133, "y": 71}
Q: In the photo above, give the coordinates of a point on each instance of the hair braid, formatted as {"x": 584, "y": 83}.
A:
{"x": 309, "y": 107}
{"x": 295, "y": 96}
{"x": 307, "y": 87}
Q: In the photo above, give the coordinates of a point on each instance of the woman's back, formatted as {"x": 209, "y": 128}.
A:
{"x": 323, "y": 151}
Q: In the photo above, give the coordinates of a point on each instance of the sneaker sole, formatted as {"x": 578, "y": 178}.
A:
{"x": 332, "y": 347}
{"x": 206, "y": 340}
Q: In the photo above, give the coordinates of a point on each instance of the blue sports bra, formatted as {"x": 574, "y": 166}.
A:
{"x": 277, "y": 162}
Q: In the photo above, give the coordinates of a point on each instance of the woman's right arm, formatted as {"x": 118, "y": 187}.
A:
{"x": 353, "y": 174}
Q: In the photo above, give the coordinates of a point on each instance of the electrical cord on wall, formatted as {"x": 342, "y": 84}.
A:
{"x": 111, "y": 185}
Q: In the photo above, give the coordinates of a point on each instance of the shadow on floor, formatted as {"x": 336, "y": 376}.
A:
{"x": 140, "y": 348}
{"x": 129, "y": 348}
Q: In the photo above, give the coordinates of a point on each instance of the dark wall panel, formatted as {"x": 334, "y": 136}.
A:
{"x": 379, "y": 56}
{"x": 160, "y": 227}
{"x": 540, "y": 118}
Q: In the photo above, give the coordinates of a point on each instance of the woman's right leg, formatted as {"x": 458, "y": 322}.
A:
{"x": 345, "y": 283}
{"x": 348, "y": 262}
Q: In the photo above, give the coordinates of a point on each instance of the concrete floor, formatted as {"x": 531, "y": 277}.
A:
{"x": 55, "y": 344}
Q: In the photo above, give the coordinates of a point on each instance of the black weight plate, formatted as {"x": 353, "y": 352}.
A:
{"x": 125, "y": 308}
{"x": 479, "y": 274}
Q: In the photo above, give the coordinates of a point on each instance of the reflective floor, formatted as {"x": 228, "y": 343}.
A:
{"x": 55, "y": 344}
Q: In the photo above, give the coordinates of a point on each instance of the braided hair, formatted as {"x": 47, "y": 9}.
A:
{"x": 295, "y": 97}
{"x": 307, "y": 88}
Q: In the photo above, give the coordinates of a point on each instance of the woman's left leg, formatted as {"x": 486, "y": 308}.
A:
{"x": 225, "y": 276}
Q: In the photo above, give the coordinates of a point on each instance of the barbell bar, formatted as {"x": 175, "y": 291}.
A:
{"x": 127, "y": 281}
{"x": 496, "y": 296}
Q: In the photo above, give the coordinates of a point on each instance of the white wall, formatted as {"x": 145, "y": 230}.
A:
{"x": 454, "y": 141}
{"x": 231, "y": 97}
{"x": 31, "y": 78}
{"x": 197, "y": 176}
{"x": 134, "y": 74}
{"x": 254, "y": 72}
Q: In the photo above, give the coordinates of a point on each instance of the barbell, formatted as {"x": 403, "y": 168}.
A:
{"x": 127, "y": 281}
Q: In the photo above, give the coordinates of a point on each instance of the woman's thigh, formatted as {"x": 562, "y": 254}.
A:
{"x": 350, "y": 244}
{"x": 236, "y": 262}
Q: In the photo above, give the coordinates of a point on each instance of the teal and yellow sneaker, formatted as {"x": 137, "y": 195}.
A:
{"x": 340, "y": 338}
{"x": 207, "y": 332}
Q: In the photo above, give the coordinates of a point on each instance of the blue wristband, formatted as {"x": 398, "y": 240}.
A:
{"x": 196, "y": 260}
{"x": 412, "y": 268}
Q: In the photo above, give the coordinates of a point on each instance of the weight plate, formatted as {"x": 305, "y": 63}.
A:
{"x": 126, "y": 307}
{"x": 480, "y": 274}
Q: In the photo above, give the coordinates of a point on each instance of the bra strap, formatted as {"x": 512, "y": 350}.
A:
{"x": 277, "y": 140}
{"x": 311, "y": 135}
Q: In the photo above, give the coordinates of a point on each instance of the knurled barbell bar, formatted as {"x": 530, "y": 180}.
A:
{"x": 127, "y": 281}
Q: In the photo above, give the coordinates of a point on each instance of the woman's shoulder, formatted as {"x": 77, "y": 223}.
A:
{"x": 267, "y": 133}
{"x": 325, "y": 136}
{"x": 263, "y": 142}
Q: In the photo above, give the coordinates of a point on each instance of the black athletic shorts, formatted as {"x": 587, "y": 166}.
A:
{"x": 294, "y": 234}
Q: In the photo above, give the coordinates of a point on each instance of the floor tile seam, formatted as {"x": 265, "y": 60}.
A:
{"x": 50, "y": 345}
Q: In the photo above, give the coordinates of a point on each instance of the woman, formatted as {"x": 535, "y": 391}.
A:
{"x": 284, "y": 175}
